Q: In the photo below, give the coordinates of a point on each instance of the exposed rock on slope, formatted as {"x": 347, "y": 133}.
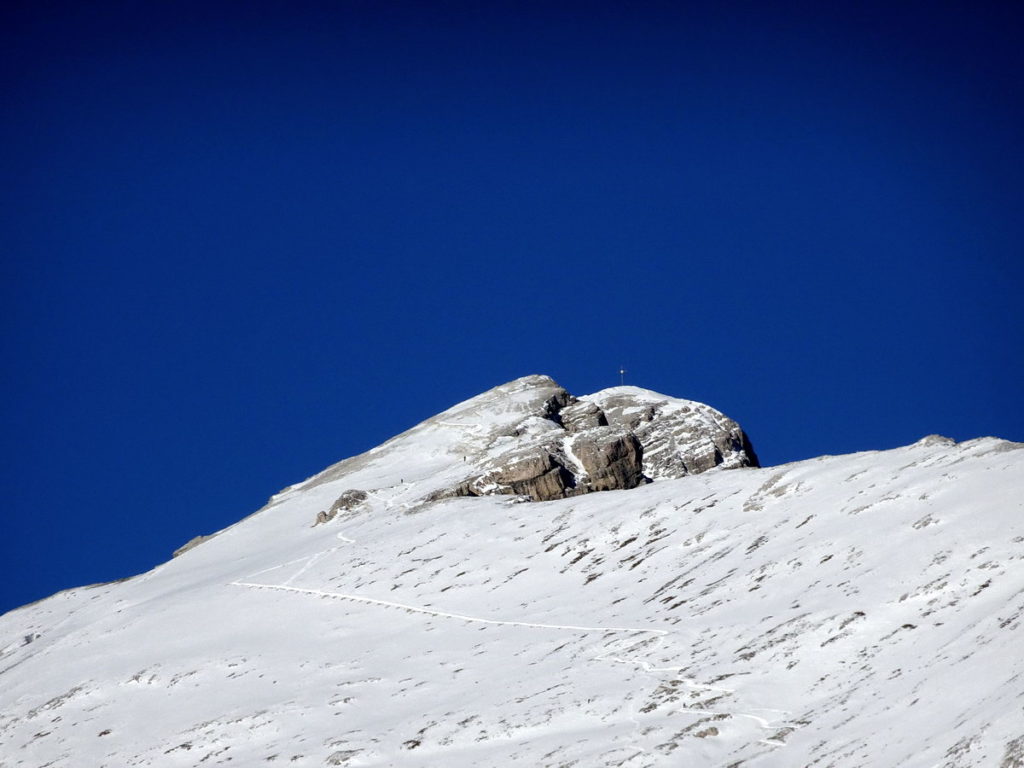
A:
{"x": 546, "y": 444}
{"x": 610, "y": 459}
{"x": 679, "y": 437}
{"x": 349, "y": 500}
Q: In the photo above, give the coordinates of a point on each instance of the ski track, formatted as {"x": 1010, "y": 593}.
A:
{"x": 658, "y": 634}
{"x": 389, "y": 501}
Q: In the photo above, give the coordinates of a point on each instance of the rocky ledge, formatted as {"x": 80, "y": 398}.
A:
{"x": 560, "y": 445}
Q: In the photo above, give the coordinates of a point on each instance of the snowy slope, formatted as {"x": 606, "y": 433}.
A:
{"x": 860, "y": 610}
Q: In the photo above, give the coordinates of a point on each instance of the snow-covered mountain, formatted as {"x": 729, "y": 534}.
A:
{"x": 459, "y": 596}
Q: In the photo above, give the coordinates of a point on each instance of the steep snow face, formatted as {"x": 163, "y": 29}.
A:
{"x": 861, "y": 610}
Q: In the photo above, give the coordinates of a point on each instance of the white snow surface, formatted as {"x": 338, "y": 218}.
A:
{"x": 859, "y": 610}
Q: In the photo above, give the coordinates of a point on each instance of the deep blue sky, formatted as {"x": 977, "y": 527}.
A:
{"x": 243, "y": 241}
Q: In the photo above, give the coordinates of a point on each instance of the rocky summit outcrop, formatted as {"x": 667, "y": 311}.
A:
{"x": 679, "y": 437}
{"x": 533, "y": 439}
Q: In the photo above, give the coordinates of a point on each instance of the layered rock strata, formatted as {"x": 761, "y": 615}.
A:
{"x": 618, "y": 438}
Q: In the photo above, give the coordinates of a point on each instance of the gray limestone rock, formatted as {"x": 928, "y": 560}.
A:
{"x": 348, "y": 500}
{"x": 537, "y": 472}
{"x": 679, "y": 437}
{"x": 582, "y": 415}
{"x": 557, "y": 446}
{"x": 611, "y": 459}
{"x": 929, "y": 440}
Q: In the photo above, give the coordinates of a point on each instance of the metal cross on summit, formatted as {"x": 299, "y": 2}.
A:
{"x": 622, "y": 376}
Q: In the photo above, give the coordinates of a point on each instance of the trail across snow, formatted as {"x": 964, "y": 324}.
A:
{"x": 442, "y": 614}
{"x": 311, "y": 559}
{"x": 630, "y": 643}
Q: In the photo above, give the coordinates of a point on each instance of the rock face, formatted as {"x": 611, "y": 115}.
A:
{"x": 539, "y": 476}
{"x": 349, "y": 500}
{"x": 679, "y": 437}
{"x": 549, "y": 445}
{"x": 610, "y": 458}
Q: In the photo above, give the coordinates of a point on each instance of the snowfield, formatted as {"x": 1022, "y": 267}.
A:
{"x": 860, "y": 610}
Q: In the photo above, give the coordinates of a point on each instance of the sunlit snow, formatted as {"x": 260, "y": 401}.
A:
{"x": 859, "y": 610}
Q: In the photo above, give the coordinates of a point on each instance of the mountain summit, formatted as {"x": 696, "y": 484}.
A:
{"x": 531, "y": 438}
{"x": 461, "y": 596}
